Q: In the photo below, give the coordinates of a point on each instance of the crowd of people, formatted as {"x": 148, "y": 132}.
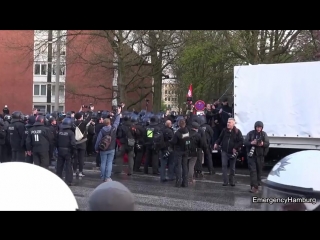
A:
{"x": 179, "y": 143}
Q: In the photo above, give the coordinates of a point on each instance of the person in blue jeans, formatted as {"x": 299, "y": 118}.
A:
{"x": 108, "y": 155}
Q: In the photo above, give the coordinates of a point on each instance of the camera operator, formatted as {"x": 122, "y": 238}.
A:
{"x": 257, "y": 146}
{"x": 231, "y": 141}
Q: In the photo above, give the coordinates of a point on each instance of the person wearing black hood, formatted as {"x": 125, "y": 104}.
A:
{"x": 17, "y": 137}
{"x": 38, "y": 142}
{"x": 154, "y": 141}
{"x": 257, "y": 146}
{"x": 98, "y": 126}
{"x": 66, "y": 145}
{"x": 31, "y": 120}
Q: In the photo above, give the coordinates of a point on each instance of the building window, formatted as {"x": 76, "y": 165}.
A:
{"x": 41, "y": 108}
{"x": 39, "y": 90}
{"x": 61, "y": 109}
{"x": 165, "y": 92}
{"x": 165, "y": 99}
{"x": 168, "y": 99}
{"x": 168, "y": 105}
{"x": 61, "y": 90}
{"x": 62, "y": 70}
{"x": 40, "y": 69}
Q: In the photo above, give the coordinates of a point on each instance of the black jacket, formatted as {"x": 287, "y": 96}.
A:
{"x": 139, "y": 133}
{"x": 66, "y": 140}
{"x": 198, "y": 141}
{"x": 97, "y": 129}
{"x": 54, "y": 133}
{"x": 17, "y": 135}
{"x": 208, "y": 132}
{"x": 168, "y": 136}
{"x": 229, "y": 140}
{"x": 178, "y": 144}
{"x": 39, "y": 138}
{"x": 156, "y": 128}
{"x": 122, "y": 131}
{"x": 259, "y": 151}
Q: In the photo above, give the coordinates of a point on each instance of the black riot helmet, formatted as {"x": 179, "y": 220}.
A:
{"x": 66, "y": 123}
{"x": 258, "y": 124}
{"x": 48, "y": 116}
{"x": 31, "y": 121}
{"x": 17, "y": 115}
{"x": 134, "y": 118}
{"x": 105, "y": 114}
{"x": 7, "y": 118}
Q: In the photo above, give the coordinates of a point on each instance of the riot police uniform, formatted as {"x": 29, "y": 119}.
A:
{"x": 38, "y": 142}
{"x": 152, "y": 153}
{"x": 139, "y": 135}
{"x": 66, "y": 145}
{"x": 17, "y": 137}
{"x": 31, "y": 120}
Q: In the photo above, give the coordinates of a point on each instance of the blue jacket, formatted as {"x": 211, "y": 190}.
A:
{"x": 107, "y": 129}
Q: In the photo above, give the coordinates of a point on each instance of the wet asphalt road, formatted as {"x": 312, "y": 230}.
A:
{"x": 207, "y": 194}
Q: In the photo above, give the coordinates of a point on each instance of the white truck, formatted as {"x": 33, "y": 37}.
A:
{"x": 285, "y": 98}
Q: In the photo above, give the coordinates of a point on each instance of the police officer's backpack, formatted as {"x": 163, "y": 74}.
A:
{"x": 192, "y": 145}
{"x": 155, "y": 137}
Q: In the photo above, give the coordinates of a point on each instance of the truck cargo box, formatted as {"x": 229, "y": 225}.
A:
{"x": 285, "y": 97}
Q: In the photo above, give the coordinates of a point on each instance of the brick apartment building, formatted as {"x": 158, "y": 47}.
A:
{"x": 25, "y": 81}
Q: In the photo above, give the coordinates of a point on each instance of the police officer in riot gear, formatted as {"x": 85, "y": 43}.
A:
{"x": 152, "y": 149}
{"x": 38, "y": 142}
{"x": 139, "y": 134}
{"x": 30, "y": 122}
{"x": 257, "y": 146}
{"x": 66, "y": 145}
{"x": 166, "y": 154}
{"x": 17, "y": 137}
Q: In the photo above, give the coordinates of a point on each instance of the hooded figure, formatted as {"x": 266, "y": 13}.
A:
{"x": 111, "y": 196}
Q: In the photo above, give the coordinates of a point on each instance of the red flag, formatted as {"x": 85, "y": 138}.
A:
{"x": 189, "y": 94}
